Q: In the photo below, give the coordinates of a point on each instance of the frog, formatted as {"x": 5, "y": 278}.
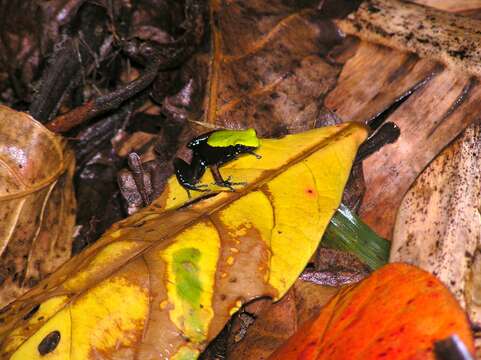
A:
{"x": 211, "y": 150}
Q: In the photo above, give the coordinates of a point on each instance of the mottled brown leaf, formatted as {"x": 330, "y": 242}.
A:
{"x": 37, "y": 204}
{"x": 431, "y": 33}
{"x": 451, "y": 5}
{"x": 435, "y": 106}
{"x": 438, "y": 223}
{"x": 265, "y": 68}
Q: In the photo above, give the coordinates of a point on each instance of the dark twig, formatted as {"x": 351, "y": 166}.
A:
{"x": 135, "y": 165}
{"x": 157, "y": 57}
{"x": 451, "y": 348}
{"x": 72, "y": 54}
{"x": 387, "y": 134}
{"x": 104, "y": 103}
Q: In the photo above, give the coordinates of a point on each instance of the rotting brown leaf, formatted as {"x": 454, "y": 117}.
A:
{"x": 435, "y": 105}
{"x": 276, "y": 322}
{"x": 428, "y": 32}
{"x": 37, "y": 204}
{"x": 451, "y": 5}
{"x": 429, "y": 120}
{"x": 265, "y": 67}
{"x": 375, "y": 78}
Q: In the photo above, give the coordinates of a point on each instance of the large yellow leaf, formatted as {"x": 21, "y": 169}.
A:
{"x": 162, "y": 283}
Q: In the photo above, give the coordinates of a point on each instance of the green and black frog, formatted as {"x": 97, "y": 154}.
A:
{"x": 212, "y": 150}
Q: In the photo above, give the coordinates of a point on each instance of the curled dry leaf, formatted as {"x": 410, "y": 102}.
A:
{"x": 451, "y": 5}
{"x": 37, "y": 204}
{"x": 396, "y": 313}
{"x": 163, "y": 283}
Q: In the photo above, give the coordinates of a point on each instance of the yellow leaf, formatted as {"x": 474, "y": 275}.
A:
{"x": 163, "y": 283}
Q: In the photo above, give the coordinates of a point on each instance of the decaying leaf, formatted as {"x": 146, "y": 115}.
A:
{"x": 37, "y": 204}
{"x": 261, "y": 326}
{"x": 396, "y": 313}
{"x": 163, "y": 282}
{"x": 438, "y": 223}
{"x": 448, "y": 38}
{"x": 434, "y": 106}
{"x": 275, "y": 323}
{"x": 451, "y": 5}
{"x": 265, "y": 67}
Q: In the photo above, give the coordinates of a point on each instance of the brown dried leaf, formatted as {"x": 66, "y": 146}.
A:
{"x": 429, "y": 120}
{"x": 451, "y": 5}
{"x": 375, "y": 78}
{"x": 37, "y": 204}
{"x": 428, "y": 32}
{"x": 265, "y": 67}
{"x": 275, "y": 323}
{"x": 441, "y": 104}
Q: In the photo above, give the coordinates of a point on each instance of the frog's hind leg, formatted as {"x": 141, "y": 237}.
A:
{"x": 219, "y": 180}
{"x": 188, "y": 175}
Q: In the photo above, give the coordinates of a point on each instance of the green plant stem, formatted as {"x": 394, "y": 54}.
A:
{"x": 347, "y": 232}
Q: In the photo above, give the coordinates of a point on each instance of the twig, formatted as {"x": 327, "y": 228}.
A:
{"x": 158, "y": 57}
{"x": 104, "y": 103}
{"x": 64, "y": 71}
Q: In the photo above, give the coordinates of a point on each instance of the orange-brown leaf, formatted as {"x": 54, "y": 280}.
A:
{"x": 396, "y": 313}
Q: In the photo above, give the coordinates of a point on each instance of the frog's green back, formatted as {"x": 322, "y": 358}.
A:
{"x": 224, "y": 138}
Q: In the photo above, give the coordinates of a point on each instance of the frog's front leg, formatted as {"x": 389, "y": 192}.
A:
{"x": 219, "y": 180}
{"x": 252, "y": 152}
{"x": 188, "y": 175}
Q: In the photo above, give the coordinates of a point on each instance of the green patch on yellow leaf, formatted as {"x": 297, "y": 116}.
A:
{"x": 186, "y": 353}
{"x": 186, "y": 269}
{"x": 192, "y": 260}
